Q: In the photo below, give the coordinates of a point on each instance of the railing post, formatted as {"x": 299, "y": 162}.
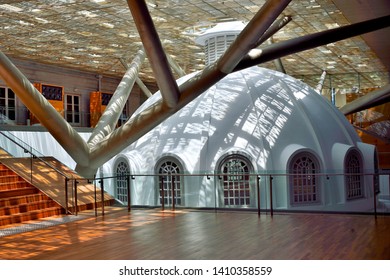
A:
{"x": 66, "y": 195}
{"x": 373, "y": 187}
{"x": 95, "y": 195}
{"x": 102, "y": 194}
{"x": 31, "y": 168}
{"x": 162, "y": 193}
{"x": 128, "y": 194}
{"x": 270, "y": 195}
{"x": 173, "y": 192}
{"x": 75, "y": 196}
{"x": 258, "y": 178}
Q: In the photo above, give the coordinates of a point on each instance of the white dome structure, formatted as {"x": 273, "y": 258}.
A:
{"x": 252, "y": 125}
{"x": 255, "y": 121}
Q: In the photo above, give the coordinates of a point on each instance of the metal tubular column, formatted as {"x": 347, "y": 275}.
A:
{"x": 155, "y": 52}
{"x": 142, "y": 86}
{"x": 321, "y": 82}
{"x": 176, "y": 67}
{"x": 275, "y": 27}
{"x": 142, "y": 123}
{"x": 58, "y": 127}
{"x": 311, "y": 41}
{"x": 113, "y": 111}
{"x": 249, "y": 37}
{"x": 278, "y": 62}
{"x": 374, "y": 98}
{"x": 138, "y": 81}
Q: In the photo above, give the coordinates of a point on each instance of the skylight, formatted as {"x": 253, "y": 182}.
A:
{"x": 87, "y": 14}
{"x": 10, "y": 8}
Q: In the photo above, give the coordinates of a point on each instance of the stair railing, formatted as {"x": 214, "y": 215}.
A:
{"x": 34, "y": 154}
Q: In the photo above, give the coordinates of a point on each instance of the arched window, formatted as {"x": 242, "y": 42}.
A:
{"x": 235, "y": 181}
{"x": 304, "y": 183}
{"x": 353, "y": 177}
{"x": 170, "y": 181}
{"x": 122, "y": 171}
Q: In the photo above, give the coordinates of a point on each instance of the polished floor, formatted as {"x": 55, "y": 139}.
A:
{"x": 154, "y": 234}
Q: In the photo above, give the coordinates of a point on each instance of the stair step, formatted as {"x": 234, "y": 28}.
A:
{"x": 11, "y": 178}
{"x": 18, "y": 192}
{"x": 14, "y": 186}
{"x": 11, "y": 201}
{"x": 33, "y": 215}
{"x": 27, "y": 207}
{"x": 3, "y": 167}
{"x": 5, "y": 172}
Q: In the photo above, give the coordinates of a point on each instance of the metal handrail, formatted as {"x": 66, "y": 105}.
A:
{"x": 258, "y": 176}
{"x": 33, "y": 155}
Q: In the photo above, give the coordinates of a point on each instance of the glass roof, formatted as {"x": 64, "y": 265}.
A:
{"x": 94, "y": 35}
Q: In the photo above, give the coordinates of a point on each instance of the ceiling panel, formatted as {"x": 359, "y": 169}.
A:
{"x": 93, "y": 35}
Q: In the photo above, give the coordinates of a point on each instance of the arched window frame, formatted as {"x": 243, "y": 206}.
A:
{"x": 122, "y": 170}
{"x": 304, "y": 183}
{"x": 236, "y": 190}
{"x": 354, "y": 180}
{"x": 178, "y": 181}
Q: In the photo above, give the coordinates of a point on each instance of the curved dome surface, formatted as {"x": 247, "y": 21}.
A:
{"x": 260, "y": 112}
{"x": 264, "y": 116}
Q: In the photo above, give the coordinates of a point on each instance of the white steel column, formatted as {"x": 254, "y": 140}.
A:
{"x": 58, "y": 127}
{"x": 155, "y": 52}
{"x": 249, "y": 37}
{"x": 113, "y": 111}
{"x": 284, "y": 48}
{"x": 372, "y": 99}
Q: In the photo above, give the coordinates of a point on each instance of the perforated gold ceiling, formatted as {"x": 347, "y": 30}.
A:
{"x": 94, "y": 35}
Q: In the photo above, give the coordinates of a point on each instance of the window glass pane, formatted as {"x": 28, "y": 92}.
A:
{"x": 121, "y": 181}
{"x": 303, "y": 182}
{"x": 353, "y": 178}
{"x": 2, "y": 92}
{"x": 11, "y": 94}
{"x": 73, "y": 109}
{"x": 236, "y": 181}
{"x": 170, "y": 167}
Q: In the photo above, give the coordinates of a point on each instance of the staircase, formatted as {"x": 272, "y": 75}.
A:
{"x": 20, "y": 201}
{"x": 35, "y": 187}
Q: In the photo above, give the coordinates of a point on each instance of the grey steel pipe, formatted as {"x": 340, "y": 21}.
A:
{"x": 143, "y": 87}
{"x": 321, "y": 82}
{"x": 138, "y": 81}
{"x": 275, "y": 27}
{"x": 176, "y": 67}
{"x": 311, "y": 41}
{"x": 249, "y": 37}
{"x": 372, "y": 99}
{"x": 155, "y": 52}
{"x": 142, "y": 123}
{"x": 114, "y": 109}
{"x": 278, "y": 62}
{"x": 58, "y": 127}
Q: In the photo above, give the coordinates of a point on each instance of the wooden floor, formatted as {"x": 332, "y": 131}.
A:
{"x": 153, "y": 234}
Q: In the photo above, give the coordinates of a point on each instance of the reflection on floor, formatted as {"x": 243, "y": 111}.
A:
{"x": 184, "y": 234}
